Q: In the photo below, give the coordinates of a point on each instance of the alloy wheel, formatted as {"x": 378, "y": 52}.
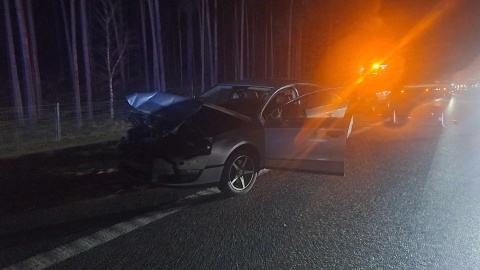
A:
{"x": 242, "y": 173}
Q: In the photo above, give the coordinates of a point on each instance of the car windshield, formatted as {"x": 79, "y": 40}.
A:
{"x": 242, "y": 99}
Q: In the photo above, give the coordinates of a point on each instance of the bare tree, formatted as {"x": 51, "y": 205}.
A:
{"x": 145, "y": 47}
{"x": 242, "y": 22}
{"x": 27, "y": 64}
{"x": 76, "y": 77}
{"x": 271, "y": 41}
{"x": 253, "y": 61}
{"x": 215, "y": 43}
{"x": 156, "y": 79}
{"x": 210, "y": 46}
{"x": 187, "y": 5}
{"x": 71, "y": 36}
{"x": 247, "y": 41}
{"x": 266, "y": 50}
{"x": 201, "y": 18}
{"x": 111, "y": 51}
{"x": 17, "y": 94}
{"x": 224, "y": 52}
{"x": 67, "y": 35}
{"x": 86, "y": 58}
{"x": 117, "y": 26}
{"x": 34, "y": 56}
{"x": 236, "y": 41}
{"x": 289, "y": 59}
{"x": 160, "y": 47}
{"x": 180, "y": 46}
{"x": 299, "y": 58}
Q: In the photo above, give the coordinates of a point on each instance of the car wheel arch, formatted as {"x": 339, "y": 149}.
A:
{"x": 249, "y": 148}
{"x": 239, "y": 179}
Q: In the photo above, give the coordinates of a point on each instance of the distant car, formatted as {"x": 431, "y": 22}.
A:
{"x": 228, "y": 134}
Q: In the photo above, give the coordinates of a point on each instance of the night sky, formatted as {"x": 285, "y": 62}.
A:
{"x": 333, "y": 34}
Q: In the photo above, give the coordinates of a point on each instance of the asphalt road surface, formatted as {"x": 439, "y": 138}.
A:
{"x": 410, "y": 199}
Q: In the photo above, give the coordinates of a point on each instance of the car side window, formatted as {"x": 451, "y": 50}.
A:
{"x": 221, "y": 96}
{"x": 322, "y": 104}
{"x": 280, "y": 99}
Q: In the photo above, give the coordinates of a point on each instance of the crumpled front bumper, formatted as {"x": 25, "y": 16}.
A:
{"x": 152, "y": 163}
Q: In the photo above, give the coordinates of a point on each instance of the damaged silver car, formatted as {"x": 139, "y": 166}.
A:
{"x": 228, "y": 134}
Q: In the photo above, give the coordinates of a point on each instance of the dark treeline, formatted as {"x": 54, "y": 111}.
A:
{"x": 82, "y": 51}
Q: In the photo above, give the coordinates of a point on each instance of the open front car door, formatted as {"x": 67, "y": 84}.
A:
{"x": 309, "y": 134}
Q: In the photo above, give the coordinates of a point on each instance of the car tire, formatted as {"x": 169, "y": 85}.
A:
{"x": 240, "y": 173}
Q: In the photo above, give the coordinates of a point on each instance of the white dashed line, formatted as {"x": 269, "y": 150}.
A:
{"x": 62, "y": 253}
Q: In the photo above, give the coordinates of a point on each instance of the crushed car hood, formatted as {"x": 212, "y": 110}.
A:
{"x": 152, "y": 102}
{"x": 163, "y": 105}
{"x": 163, "y": 113}
{"x": 160, "y": 113}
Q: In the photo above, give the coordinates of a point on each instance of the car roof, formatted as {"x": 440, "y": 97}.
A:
{"x": 270, "y": 83}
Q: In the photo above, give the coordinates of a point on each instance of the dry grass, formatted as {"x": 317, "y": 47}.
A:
{"x": 43, "y": 141}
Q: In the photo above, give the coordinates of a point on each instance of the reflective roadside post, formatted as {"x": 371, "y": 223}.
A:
{"x": 58, "y": 127}
{"x": 395, "y": 117}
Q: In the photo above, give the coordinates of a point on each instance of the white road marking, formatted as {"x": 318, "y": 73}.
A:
{"x": 204, "y": 192}
{"x": 59, "y": 254}
{"x": 62, "y": 253}
{"x": 262, "y": 172}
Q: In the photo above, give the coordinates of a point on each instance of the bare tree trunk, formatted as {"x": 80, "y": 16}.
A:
{"x": 145, "y": 47}
{"x": 27, "y": 64}
{"x": 247, "y": 37}
{"x": 252, "y": 67}
{"x": 224, "y": 51}
{"x": 72, "y": 54}
{"x": 299, "y": 38}
{"x": 75, "y": 79}
{"x": 242, "y": 22}
{"x": 271, "y": 42}
{"x": 156, "y": 81}
{"x": 237, "y": 46}
{"x": 289, "y": 59}
{"x": 195, "y": 70}
{"x": 16, "y": 92}
{"x": 109, "y": 13}
{"x": 67, "y": 36}
{"x": 180, "y": 48}
{"x": 201, "y": 17}
{"x": 58, "y": 38}
{"x": 266, "y": 51}
{"x": 34, "y": 57}
{"x": 113, "y": 54}
{"x": 188, "y": 10}
{"x": 86, "y": 58}
{"x": 299, "y": 54}
{"x": 210, "y": 46}
{"x": 119, "y": 41}
{"x": 109, "y": 69}
{"x": 215, "y": 43}
{"x": 160, "y": 48}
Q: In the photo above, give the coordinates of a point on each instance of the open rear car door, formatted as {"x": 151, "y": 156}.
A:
{"x": 309, "y": 134}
